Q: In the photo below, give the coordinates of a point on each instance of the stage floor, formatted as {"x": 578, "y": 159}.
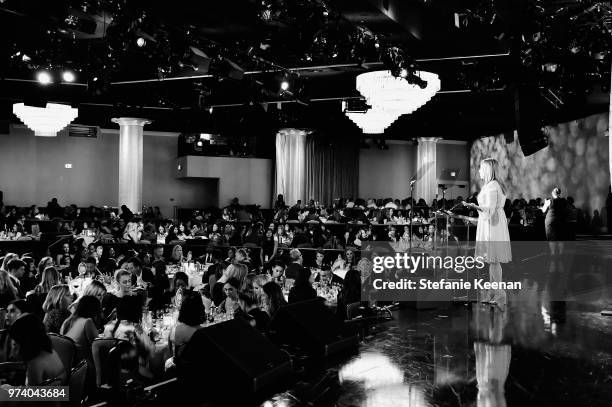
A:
{"x": 550, "y": 346}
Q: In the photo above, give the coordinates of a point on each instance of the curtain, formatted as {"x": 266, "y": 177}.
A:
{"x": 332, "y": 168}
{"x": 290, "y": 165}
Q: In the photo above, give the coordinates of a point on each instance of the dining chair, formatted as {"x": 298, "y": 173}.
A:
{"x": 65, "y": 348}
{"x": 76, "y": 384}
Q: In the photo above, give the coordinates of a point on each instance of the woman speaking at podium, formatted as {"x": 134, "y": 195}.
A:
{"x": 492, "y": 236}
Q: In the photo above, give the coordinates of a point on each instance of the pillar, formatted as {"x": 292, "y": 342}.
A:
{"x": 130, "y": 161}
{"x": 426, "y": 180}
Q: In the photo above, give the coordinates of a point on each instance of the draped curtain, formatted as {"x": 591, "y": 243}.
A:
{"x": 332, "y": 168}
{"x": 290, "y": 165}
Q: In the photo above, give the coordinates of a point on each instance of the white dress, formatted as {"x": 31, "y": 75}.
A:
{"x": 492, "y": 236}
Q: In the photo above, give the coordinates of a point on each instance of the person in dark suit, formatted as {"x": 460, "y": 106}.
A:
{"x": 556, "y": 210}
{"x": 294, "y": 268}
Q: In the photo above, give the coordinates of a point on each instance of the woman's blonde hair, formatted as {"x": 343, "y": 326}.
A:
{"x": 8, "y": 257}
{"x": 81, "y": 265}
{"x": 238, "y": 271}
{"x": 262, "y": 279}
{"x": 55, "y": 298}
{"x": 49, "y": 278}
{"x": 95, "y": 288}
{"x": 490, "y": 168}
{"x": 6, "y": 284}
{"x": 175, "y": 249}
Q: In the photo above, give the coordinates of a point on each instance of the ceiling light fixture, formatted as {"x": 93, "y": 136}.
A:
{"x": 391, "y": 97}
{"x": 68, "y": 76}
{"x": 44, "y": 78}
{"x": 141, "y": 42}
{"x": 45, "y": 121}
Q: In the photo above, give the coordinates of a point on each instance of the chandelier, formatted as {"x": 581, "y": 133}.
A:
{"x": 391, "y": 97}
{"x": 372, "y": 121}
{"x": 45, "y": 121}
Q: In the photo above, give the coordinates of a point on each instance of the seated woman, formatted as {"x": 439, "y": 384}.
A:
{"x": 180, "y": 288}
{"x": 98, "y": 290}
{"x": 8, "y": 292}
{"x": 257, "y": 317}
{"x": 238, "y": 271}
{"x": 302, "y": 289}
{"x": 159, "y": 292}
{"x": 123, "y": 279}
{"x": 350, "y": 293}
{"x": 177, "y": 255}
{"x": 32, "y": 345}
{"x": 56, "y": 306}
{"x": 272, "y": 298}
{"x": 232, "y": 303}
{"x": 49, "y": 278}
{"x": 127, "y": 324}
{"x": 81, "y": 326}
{"x": 14, "y": 310}
{"x": 190, "y": 318}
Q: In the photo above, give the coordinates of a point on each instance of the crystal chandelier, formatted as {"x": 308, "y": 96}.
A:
{"x": 372, "y": 121}
{"x": 45, "y": 121}
{"x": 391, "y": 97}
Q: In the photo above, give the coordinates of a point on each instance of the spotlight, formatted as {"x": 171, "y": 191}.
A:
{"x": 199, "y": 143}
{"x": 284, "y": 85}
{"x": 44, "y": 78}
{"x": 68, "y": 76}
{"x": 141, "y": 42}
{"x": 95, "y": 79}
{"x": 25, "y": 58}
{"x": 210, "y": 110}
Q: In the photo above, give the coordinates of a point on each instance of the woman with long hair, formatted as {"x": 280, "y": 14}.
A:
{"x": 273, "y": 298}
{"x": 302, "y": 289}
{"x": 42, "y": 265}
{"x": 8, "y": 292}
{"x": 492, "y": 236}
{"x": 238, "y": 271}
{"x": 56, "y": 307}
{"x": 81, "y": 326}
{"x": 33, "y": 346}
{"x": 49, "y": 278}
{"x": 177, "y": 254}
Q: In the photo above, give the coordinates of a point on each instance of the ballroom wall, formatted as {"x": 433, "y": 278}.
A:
{"x": 249, "y": 179}
{"x": 386, "y": 173}
{"x": 32, "y": 171}
{"x": 576, "y": 160}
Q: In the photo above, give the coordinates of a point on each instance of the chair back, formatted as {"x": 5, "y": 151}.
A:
{"x": 353, "y": 310}
{"x": 54, "y": 381}
{"x": 100, "y": 349}
{"x": 65, "y": 348}
{"x": 76, "y": 384}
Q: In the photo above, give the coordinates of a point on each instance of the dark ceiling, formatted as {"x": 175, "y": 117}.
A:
{"x": 319, "y": 45}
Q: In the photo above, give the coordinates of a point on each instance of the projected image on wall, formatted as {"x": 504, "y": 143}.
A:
{"x": 576, "y": 161}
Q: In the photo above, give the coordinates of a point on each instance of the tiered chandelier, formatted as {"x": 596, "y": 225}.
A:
{"x": 45, "y": 121}
{"x": 391, "y": 97}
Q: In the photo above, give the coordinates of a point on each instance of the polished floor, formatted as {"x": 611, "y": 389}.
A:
{"x": 548, "y": 346}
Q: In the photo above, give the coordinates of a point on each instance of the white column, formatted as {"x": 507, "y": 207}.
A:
{"x": 427, "y": 183}
{"x": 130, "y": 161}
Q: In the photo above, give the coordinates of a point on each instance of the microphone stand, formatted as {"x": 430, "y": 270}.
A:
{"x": 410, "y": 213}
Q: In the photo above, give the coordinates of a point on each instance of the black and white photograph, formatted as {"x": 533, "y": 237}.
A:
{"x": 305, "y": 203}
